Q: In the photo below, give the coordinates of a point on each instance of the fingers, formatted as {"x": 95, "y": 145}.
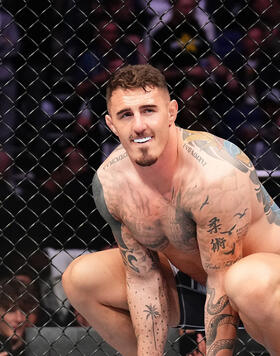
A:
{"x": 201, "y": 346}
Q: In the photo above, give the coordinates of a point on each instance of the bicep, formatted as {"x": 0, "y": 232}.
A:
{"x": 221, "y": 232}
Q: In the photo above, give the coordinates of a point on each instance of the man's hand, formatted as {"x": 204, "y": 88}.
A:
{"x": 201, "y": 346}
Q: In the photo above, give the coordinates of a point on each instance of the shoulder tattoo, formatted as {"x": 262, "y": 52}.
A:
{"x": 101, "y": 206}
{"x": 225, "y": 150}
{"x": 128, "y": 256}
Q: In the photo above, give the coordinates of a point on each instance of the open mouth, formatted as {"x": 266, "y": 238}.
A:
{"x": 142, "y": 140}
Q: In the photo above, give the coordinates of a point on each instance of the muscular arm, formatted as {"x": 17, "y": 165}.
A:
{"x": 146, "y": 289}
{"x": 221, "y": 228}
{"x": 223, "y": 218}
{"x": 220, "y": 247}
{"x": 147, "y": 296}
{"x": 221, "y": 321}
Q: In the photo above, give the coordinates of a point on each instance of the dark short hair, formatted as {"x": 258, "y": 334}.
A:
{"x": 14, "y": 294}
{"x": 134, "y": 77}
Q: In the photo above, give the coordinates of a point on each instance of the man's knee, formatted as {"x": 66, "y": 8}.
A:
{"x": 79, "y": 277}
{"x": 251, "y": 280}
{"x": 96, "y": 277}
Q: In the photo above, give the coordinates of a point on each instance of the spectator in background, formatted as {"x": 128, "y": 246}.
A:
{"x": 9, "y": 47}
{"x": 179, "y": 45}
{"x": 254, "y": 57}
{"x": 96, "y": 140}
{"x": 195, "y": 113}
{"x": 232, "y": 21}
{"x": 32, "y": 269}
{"x": 260, "y": 61}
{"x": 5, "y": 173}
{"x": 66, "y": 188}
{"x": 17, "y": 311}
{"x": 181, "y": 49}
{"x": 266, "y": 12}
{"x": 74, "y": 164}
{"x": 229, "y": 20}
{"x": 250, "y": 125}
{"x": 132, "y": 18}
{"x": 241, "y": 121}
{"x": 267, "y": 150}
{"x": 161, "y": 12}
{"x": 108, "y": 51}
{"x": 36, "y": 21}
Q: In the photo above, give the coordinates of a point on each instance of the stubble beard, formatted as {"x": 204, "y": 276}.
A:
{"x": 146, "y": 160}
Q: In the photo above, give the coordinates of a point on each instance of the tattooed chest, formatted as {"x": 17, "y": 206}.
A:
{"x": 161, "y": 227}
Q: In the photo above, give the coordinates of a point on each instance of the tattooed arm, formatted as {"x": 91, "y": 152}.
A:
{"x": 220, "y": 237}
{"x": 146, "y": 289}
{"x": 221, "y": 320}
{"x": 147, "y": 295}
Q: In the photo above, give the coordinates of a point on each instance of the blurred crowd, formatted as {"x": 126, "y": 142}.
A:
{"x": 221, "y": 60}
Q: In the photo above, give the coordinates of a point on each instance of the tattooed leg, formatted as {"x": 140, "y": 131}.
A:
{"x": 95, "y": 285}
{"x": 253, "y": 287}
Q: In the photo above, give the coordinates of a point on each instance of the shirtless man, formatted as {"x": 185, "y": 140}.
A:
{"x": 178, "y": 202}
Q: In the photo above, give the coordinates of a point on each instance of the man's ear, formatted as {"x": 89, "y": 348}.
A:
{"x": 173, "y": 110}
{"x": 109, "y": 123}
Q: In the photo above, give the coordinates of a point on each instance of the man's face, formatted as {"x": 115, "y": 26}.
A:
{"x": 142, "y": 120}
{"x": 12, "y": 323}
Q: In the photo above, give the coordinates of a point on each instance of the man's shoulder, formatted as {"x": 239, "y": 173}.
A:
{"x": 114, "y": 160}
{"x": 213, "y": 152}
{"x": 111, "y": 171}
{"x": 107, "y": 182}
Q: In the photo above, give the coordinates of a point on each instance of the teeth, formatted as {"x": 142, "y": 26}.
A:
{"x": 141, "y": 140}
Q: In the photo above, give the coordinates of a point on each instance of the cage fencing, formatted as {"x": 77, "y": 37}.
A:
{"x": 221, "y": 60}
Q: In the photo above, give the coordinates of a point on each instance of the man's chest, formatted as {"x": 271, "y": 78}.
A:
{"x": 157, "y": 223}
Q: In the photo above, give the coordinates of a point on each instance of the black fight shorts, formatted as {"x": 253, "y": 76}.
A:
{"x": 192, "y": 297}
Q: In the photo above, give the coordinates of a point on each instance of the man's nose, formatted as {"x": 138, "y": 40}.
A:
{"x": 20, "y": 316}
{"x": 139, "y": 123}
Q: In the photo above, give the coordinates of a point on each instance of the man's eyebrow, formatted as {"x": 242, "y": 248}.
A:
{"x": 123, "y": 111}
{"x": 147, "y": 106}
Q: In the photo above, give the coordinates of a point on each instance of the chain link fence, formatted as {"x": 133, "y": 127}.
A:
{"x": 221, "y": 60}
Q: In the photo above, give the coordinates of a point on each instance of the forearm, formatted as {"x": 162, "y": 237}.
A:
{"x": 147, "y": 298}
{"x": 221, "y": 323}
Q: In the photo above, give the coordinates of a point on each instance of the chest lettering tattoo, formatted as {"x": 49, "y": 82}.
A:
{"x": 115, "y": 160}
{"x": 191, "y": 151}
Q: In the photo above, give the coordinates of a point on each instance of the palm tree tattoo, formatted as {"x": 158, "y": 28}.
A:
{"x": 153, "y": 313}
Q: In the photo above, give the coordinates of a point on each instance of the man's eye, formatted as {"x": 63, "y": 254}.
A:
{"x": 148, "y": 110}
{"x": 126, "y": 114}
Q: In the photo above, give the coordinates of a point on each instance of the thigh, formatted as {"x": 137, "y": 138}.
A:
{"x": 100, "y": 276}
